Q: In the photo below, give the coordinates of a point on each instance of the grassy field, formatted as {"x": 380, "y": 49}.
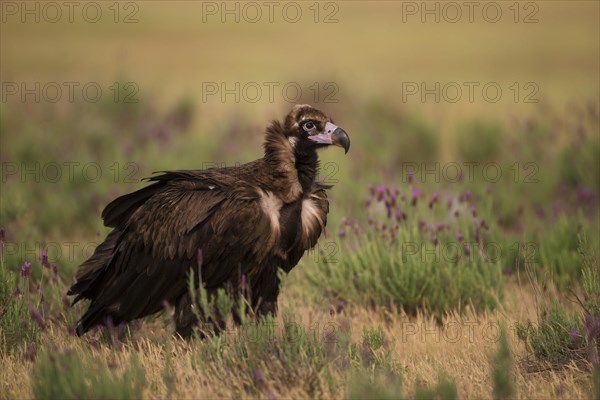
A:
{"x": 460, "y": 259}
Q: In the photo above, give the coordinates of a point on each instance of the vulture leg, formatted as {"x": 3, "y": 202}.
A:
{"x": 186, "y": 318}
{"x": 265, "y": 290}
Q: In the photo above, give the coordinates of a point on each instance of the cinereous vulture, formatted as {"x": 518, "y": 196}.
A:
{"x": 244, "y": 222}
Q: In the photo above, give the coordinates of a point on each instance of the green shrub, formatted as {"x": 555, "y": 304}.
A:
{"x": 415, "y": 256}
{"x": 67, "y": 374}
{"x": 19, "y": 309}
{"x": 415, "y": 139}
{"x": 479, "y": 141}
{"x": 557, "y": 338}
{"x": 502, "y": 370}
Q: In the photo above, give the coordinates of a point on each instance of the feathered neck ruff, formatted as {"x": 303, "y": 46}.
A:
{"x": 292, "y": 165}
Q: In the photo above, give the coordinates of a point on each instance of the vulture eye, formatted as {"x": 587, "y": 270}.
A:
{"x": 309, "y": 126}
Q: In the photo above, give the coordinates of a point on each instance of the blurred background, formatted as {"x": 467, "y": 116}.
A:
{"x": 135, "y": 87}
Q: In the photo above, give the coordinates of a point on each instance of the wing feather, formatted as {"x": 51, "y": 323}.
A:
{"x": 158, "y": 231}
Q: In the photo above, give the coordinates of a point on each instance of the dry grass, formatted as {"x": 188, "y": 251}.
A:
{"x": 460, "y": 348}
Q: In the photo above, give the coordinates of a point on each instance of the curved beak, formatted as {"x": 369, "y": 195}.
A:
{"x": 333, "y": 135}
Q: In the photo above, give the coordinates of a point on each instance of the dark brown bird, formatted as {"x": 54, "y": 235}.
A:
{"x": 245, "y": 222}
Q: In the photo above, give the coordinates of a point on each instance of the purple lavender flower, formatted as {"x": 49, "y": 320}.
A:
{"x": 460, "y": 237}
{"x": 592, "y": 325}
{"x": 434, "y": 199}
{"x": 473, "y": 210}
{"x": 398, "y": 215}
{"x": 259, "y": 378}
{"x": 435, "y": 240}
{"x": 584, "y": 195}
{"x": 44, "y": 258}
{"x": 372, "y": 189}
{"x": 342, "y": 233}
{"x": 381, "y": 190}
{"x": 476, "y": 235}
{"x": 415, "y": 195}
{"x": 410, "y": 176}
{"x": 37, "y": 317}
{"x": 31, "y": 352}
{"x": 466, "y": 249}
{"x": 25, "y": 269}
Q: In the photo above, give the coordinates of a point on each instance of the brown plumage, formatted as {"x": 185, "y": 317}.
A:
{"x": 247, "y": 221}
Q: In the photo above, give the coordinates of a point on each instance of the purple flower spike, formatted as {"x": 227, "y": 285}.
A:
{"x": 259, "y": 378}
{"x": 468, "y": 195}
{"x": 342, "y": 233}
{"x": 415, "y": 195}
{"x": 371, "y": 188}
{"x": 25, "y": 269}
{"x": 381, "y": 190}
{"x": 340, "y": 307}
{"x": 44, "y": 258}
{"x": 37, "y": 317}
{"x": 592, "y": 325}
{"x": 31, "y": 352}
{"x": 466, "y": 249}
{"x": 473, "y": 211}
{"x": 243, "y": 282}
{"x": 398, "y": 215}
{"x": 476, "y": 235}
{"x": 434, "y": 199}
{"x": 410, "y": 175}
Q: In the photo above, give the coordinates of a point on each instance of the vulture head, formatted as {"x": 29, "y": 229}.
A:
{"x": 291, "y": 148}
{"x": 309, "y": 129}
